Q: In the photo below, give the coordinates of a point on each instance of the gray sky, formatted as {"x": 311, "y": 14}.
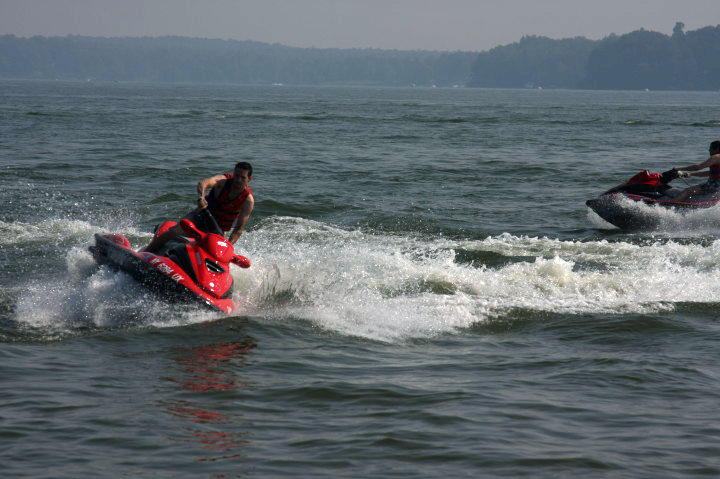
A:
{"x": 388, "y": 24}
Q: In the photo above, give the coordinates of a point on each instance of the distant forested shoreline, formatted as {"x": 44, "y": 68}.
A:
{"x": 638, "y": 60}
{"x": 635, "y": 61}
{"x": 194, "y": 60}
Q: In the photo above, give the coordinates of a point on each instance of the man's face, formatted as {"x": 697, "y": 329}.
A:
{"x": 243, "y": 178}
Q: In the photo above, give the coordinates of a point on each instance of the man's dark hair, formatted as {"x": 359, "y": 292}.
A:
{"x": 715, "y": 146}
{"x": 244, "y": 166}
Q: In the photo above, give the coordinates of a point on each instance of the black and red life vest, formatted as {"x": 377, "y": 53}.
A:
{"x": 223, "y": 208}
{"x": 715, "y": 173}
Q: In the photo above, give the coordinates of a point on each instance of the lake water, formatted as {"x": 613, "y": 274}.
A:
{"x": 429, "y": 296}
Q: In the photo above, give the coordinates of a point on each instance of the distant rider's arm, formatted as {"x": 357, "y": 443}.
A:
{"x": 242, "y": 219}
{"x": 204, "y": 185}
{"x": 699, "y": 166}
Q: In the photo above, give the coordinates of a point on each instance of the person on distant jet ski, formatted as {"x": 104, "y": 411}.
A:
{"x": 230, "y": 201}
{"x": 710, "y": 186}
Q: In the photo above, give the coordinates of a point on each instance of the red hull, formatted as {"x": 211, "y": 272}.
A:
{"x": 209, "y": 283}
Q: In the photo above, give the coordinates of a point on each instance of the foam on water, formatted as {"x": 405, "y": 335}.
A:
{"x": 393, "y": 287}
{"x": 83, "y": 295}
{"x": 106, "y": 299}
{"x": 55, "y": 230}
{"x": 387, "y": 287}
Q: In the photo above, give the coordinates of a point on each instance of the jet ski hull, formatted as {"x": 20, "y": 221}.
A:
{"x": 159, "y": 274}
{"x": 621, "y": 209}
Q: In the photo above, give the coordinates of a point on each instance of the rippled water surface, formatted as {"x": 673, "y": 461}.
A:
{"x": 429, "y": 295}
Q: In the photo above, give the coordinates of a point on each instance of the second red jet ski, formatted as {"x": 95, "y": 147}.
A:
{"x": 619, "y": 205}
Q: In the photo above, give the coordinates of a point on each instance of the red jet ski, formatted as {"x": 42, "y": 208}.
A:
{"x": 618, "y": 205}
{"x": 193, "y": 269}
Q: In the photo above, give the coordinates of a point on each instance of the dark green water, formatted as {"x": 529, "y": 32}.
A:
{"x": 429, "y": 295}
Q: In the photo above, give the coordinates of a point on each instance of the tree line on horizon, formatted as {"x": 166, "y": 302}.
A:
{"x": 194, "y": 60}
{"x": 638, "y": 60}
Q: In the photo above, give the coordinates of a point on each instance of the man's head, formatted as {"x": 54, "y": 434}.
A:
{"x": 243, "y": 166}
{"x": 715, "y": 147}
{"x": 243, "y": 175}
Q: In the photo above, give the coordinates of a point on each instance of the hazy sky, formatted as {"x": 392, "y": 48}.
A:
{"x": 388, "y": 24}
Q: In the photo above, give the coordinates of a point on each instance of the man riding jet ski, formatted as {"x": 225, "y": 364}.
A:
{"x": 619, "y": 205}
{"x": 190, "y": 260}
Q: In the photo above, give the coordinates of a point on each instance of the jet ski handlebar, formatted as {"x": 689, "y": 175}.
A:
{"x": 669, "y": 175}
{"x": 191, "y": 230}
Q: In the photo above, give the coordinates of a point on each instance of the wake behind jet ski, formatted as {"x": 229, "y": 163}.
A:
{"x": 190, "y": 269}
{"x": 622, "y": 204}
